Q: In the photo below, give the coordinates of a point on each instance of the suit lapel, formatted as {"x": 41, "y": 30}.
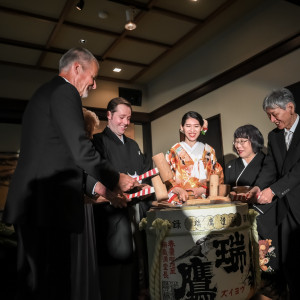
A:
{"x": 291, "y": 154}
{"x": 278, "y": 147}
{"x": 295, "y": 139}
{"x": 280, "y": 144}
{"x": 251, "y": 171}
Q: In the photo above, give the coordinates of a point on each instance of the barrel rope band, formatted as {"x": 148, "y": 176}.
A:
{"x": 255, "y": 247}
{"x": 162, "y": 227}
{"x": 143, "y": 224}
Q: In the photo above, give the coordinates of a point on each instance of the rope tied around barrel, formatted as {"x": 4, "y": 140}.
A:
{"x": 161, "y": 227}
{"x": 255, "y": 246}
{"x": 143, "y": 224}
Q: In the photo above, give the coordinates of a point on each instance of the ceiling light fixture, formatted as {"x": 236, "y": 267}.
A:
{"x": 130, "y": 25}
{"x": 80, "y": 5}
{"x": 117, "y": 70}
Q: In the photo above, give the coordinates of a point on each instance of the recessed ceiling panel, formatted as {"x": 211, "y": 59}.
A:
{"x": 47, "y": 8}
{"x": 25, "y": 29}
{"x": 69, "y": 37}
{"x": 135, "y": 51}
{"x": 161, "y": 28}
{"x": 200, "y": 9}
{"x": 127, "y": 72}
{"x": 19, "y": 55}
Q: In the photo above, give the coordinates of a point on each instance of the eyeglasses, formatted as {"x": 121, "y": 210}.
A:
{"x": 241, "y": 142}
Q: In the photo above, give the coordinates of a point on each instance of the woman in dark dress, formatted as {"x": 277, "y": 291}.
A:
{"x": 248, "y": 143}
{"x": 85, "y": 273}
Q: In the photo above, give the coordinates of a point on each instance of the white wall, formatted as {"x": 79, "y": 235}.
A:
{"x": 239, "y": 102}
{"x": 138, "y": 136}
{"x": 261, "y": 28}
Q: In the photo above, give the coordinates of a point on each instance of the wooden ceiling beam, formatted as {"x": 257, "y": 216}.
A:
{"x": 80, "y": 26}
{"x": 62, "y": 51}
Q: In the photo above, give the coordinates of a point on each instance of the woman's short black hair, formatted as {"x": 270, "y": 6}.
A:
{"x": 251, "y": 133}
{"x": 194, "y": 115}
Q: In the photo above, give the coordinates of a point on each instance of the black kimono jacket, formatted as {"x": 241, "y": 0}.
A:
{"x": 266, "y": 221}
{"x": 248, "y": 175}
{"x": 112, "y": 225}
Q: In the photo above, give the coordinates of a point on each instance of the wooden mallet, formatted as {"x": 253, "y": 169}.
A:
{"x": 160, "y": 175}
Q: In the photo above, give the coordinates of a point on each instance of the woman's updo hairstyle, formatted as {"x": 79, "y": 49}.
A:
{"x": 194, "y": 115}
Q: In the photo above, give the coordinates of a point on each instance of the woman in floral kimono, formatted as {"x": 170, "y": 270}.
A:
{"x": 191, "y": 161}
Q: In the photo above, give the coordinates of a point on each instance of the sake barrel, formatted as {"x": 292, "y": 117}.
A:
{"x": 206, "y": 252}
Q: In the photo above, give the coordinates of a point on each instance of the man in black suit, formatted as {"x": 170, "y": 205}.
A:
{"x": 280, "y": 177}
{"x": 45, "y": 198}
{"x": 120, "y": 245}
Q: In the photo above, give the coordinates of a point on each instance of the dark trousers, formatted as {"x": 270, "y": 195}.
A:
{"x": 43, "y": 263}
{"x": 290, "y": 242}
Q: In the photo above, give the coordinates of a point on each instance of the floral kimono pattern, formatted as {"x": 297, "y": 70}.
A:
{"x": 190, "y": 170}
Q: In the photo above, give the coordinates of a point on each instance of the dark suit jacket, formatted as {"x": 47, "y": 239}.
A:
{"x": 281, "y": 172}
{"x": 47, "y": 186}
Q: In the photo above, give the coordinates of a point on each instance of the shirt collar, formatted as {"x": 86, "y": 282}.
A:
{"x": 121, "y": 138}
{"x": 65, "y": 79}
{"x": 293, "y": 128}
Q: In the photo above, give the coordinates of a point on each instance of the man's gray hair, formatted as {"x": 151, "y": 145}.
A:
{"x": 81, "y": 55}
{"x": 278, "y": 98}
